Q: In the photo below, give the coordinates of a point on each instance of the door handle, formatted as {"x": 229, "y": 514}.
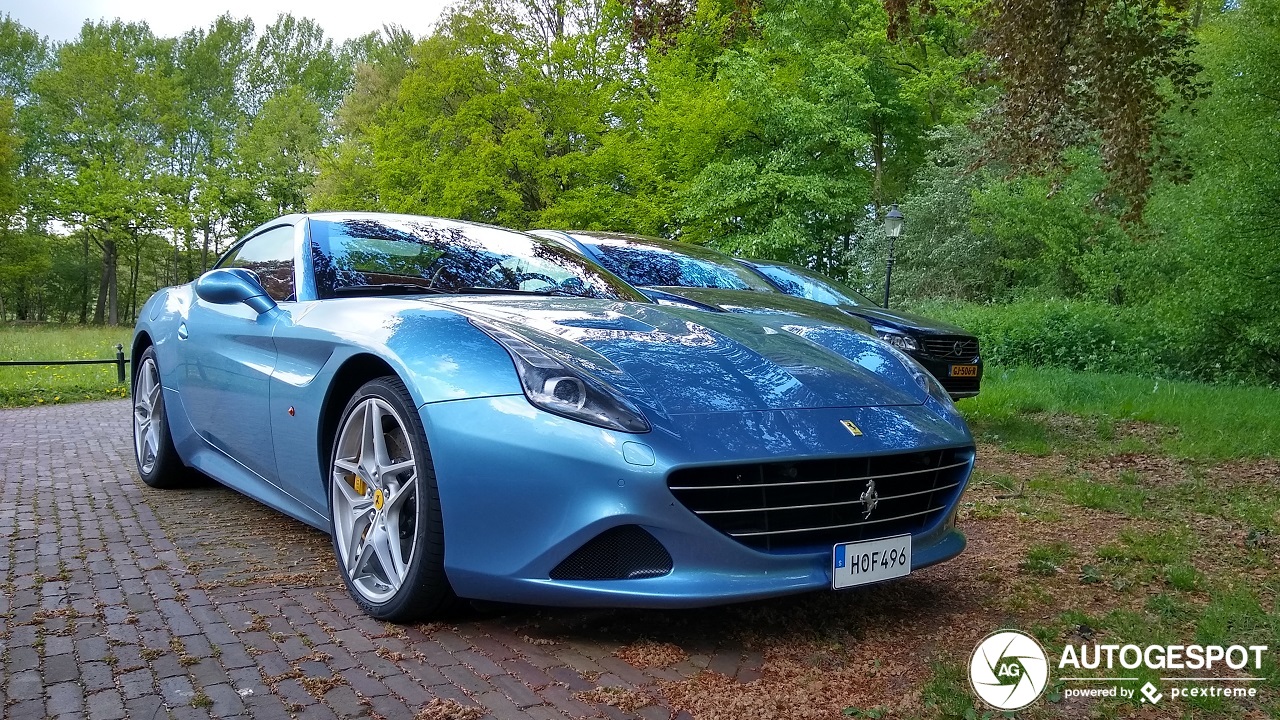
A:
{"x": 182, "y": 331}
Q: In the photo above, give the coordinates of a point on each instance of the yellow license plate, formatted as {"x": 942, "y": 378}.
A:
{"x": 964, "y": 371}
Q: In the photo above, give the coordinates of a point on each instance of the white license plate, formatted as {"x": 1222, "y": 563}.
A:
{"x": 869, "y": 561}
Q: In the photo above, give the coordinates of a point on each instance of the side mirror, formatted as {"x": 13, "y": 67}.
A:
{"x": 228, "y": 286}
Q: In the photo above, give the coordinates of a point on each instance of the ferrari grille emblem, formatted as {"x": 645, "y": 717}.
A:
{"x": 848, "y": 425}
{"x": 870, "y": 499}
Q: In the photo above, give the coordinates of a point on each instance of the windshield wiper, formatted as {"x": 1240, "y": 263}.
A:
{"x": 387, "y": 289}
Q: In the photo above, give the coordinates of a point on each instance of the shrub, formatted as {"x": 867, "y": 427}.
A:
{"x": 1053, "y": 333}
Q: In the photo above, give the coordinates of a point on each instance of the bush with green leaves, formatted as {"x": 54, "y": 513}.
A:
{"x": 1095, "y": 337}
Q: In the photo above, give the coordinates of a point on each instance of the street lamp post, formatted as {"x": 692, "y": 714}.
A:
{"x": 893, "y": 222}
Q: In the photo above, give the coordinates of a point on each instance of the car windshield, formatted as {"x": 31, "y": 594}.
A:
{"x": 368, "y": 255}
{"x": 811, "y": 286}
{"x": 645, "y": 265}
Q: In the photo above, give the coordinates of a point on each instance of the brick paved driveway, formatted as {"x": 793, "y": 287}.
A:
{"x": 117, "y": 600}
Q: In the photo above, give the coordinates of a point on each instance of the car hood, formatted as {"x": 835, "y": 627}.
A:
{"x": 899, "y": 320}
{"x": 680, "y": 361}
{"x": 752, "y": 302}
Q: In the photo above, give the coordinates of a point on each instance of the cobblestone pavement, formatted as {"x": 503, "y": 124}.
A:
{"x": 117, "y": 600}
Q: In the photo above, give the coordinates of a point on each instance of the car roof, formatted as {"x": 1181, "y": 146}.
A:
{"x": 340, "y": 215}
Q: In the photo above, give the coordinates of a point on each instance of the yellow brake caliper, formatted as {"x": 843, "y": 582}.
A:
{"x": 357, "y": 482}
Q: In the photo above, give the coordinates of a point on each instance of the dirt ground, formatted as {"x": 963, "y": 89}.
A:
{"x": 207, "y": 604}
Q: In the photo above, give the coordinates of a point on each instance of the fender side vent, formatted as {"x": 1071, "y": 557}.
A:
{"x": 626, "y": 552}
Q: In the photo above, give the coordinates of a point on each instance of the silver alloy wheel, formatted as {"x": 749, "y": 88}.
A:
{"x": 146, "y": 432}
{"x": 373, "y": 488}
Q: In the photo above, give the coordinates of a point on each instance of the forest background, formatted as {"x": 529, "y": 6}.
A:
{"x": 1091, "y": 184}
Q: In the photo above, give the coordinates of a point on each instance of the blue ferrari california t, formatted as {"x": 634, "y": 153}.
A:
{"x": 473, "y": 412}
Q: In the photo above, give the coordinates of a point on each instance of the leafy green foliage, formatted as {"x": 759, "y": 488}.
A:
{"x": 1059, "y": 163}
{"x": 1221, "y": 229}
{"x": 1076, "y": 335}
{"x": 138, "y": 158}
{"x": 1094, "y": 73}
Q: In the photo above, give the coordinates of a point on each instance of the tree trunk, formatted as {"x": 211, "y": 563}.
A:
{"x": 113, "y": 307}
{"x": 106, "y": 309}
{"x": 188, "y": 249}
{"x": 84, "y": 280}
{"x": 133, "y": 279}
{"x": 877, "y": 157}
{"x": 99, "y": 306}
{"x": 204, "y": 249}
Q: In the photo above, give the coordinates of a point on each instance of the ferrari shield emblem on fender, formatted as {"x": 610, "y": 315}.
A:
{"x": 853, "y": 429}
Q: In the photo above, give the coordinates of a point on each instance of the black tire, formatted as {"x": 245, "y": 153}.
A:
{"x": 425, "y": 591}
{"x": 166, "y": 471}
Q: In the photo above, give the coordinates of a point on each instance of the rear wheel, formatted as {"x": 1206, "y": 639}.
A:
{"x": 158, "y": 461}
{"x": 387, "y": 530}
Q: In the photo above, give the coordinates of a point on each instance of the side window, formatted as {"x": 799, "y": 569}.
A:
{"x": 270, "y": 255}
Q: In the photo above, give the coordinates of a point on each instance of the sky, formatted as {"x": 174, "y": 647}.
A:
{"x": 61, "y": 19}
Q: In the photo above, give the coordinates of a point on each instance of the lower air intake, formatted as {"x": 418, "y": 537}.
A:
{"x": 626, "y": 552}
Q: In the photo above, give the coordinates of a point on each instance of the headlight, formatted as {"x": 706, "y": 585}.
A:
{"x": 930, "y": 384}
{"x": 897, "y": 339}
{"x": 555, "y": 386}
{"x": 924, "y": 379}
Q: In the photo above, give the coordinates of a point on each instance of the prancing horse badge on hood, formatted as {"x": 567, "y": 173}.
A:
{"x": 848, "y": 425}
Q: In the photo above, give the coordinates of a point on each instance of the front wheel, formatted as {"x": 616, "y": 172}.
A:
{"x": 158, "y": 463}
{"x": 387, "y": 529}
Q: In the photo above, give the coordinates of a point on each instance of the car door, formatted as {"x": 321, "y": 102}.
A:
{"x": 228, "y": 355}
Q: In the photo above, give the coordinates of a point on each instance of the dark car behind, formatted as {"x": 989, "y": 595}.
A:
{"x": 693, "y": 276}
{"x": 947, "y": 351}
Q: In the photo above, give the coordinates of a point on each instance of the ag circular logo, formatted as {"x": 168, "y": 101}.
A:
{"x": 1009, "y": 670}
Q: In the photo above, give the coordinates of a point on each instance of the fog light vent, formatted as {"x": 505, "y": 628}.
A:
{"x": 626, "y": 552}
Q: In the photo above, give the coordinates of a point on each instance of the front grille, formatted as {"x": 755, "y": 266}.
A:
{"x": 776, "y": 506}
{"x": 950, "y": 347}
{"x": 621, "y": 553}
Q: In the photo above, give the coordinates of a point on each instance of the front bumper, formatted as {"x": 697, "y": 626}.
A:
{"x": 522, "y": 489}
{"x": 956, "y": 387}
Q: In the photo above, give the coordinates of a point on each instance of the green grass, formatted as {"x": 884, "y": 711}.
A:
{"x": 1099, "y": 496}
{"x": 1047, "y": 559}
{"x": 1211, "y": 422}
{"x": 59, "y": 384}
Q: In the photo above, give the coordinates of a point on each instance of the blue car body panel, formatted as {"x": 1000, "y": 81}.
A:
{"x": 521, "y": 489}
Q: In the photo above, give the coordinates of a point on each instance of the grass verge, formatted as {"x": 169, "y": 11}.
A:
{"x": 1018, "y": 407}
{"x": 22, "y": 386}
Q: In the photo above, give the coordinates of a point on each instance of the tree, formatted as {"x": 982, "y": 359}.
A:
{"x": 1219, "y": 231}
{"x": 832, "y": 104}
{"x": 347, "y": 176}
{"x": 1085, "y": 72}
{"x": 276, "y": 156}
{"x": 210, "y": 66}
{"x": 104, "y": 106}
{"x": 294, "y": 53}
